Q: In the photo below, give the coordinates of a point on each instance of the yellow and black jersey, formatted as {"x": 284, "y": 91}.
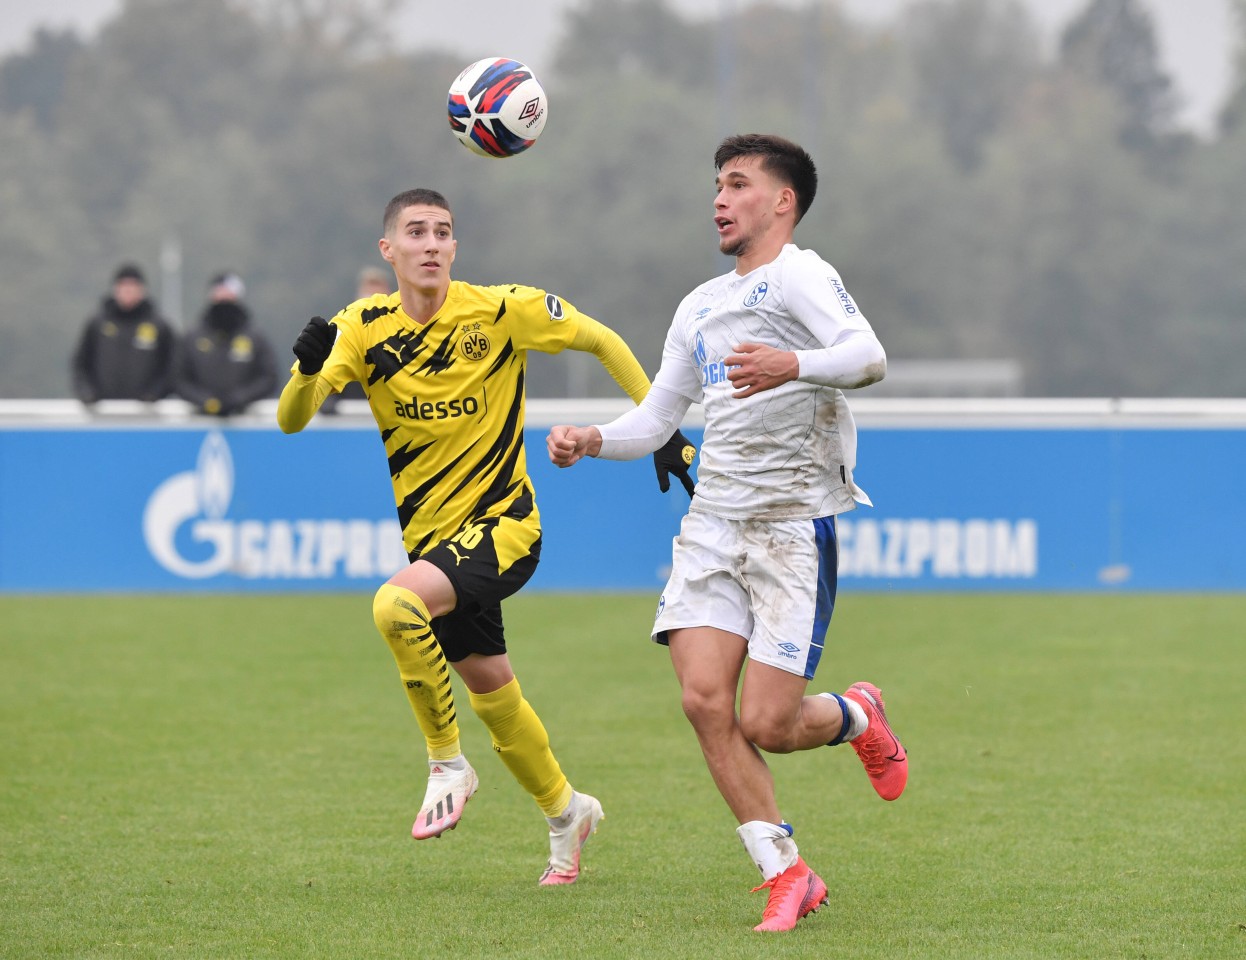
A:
{"x": 448, "y": 398}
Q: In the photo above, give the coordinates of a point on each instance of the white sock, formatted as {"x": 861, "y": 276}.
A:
{"x": 857, "y": 720}
{"x": 770, "y": 845}
{"x": 456, "y": 765}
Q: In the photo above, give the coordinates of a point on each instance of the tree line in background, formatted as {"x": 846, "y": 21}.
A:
{"x": 983, "y": 196}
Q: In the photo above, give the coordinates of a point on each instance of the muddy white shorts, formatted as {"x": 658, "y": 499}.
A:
{"x": 769, "y": 581}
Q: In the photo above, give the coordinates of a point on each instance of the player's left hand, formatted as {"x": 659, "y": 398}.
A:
{"x": 675, "y": 456}
{"x": 755, "y": 367}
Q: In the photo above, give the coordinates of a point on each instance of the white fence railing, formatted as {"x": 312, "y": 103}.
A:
{"x": 870, "y": 412}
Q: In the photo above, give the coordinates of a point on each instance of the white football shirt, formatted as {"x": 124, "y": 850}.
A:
{"x": 782, "y": 454}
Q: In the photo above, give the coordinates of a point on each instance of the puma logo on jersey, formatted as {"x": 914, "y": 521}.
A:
{"x": 395, "y": 351}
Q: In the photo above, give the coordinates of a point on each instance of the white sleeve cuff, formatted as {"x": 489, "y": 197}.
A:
{"x": 643, "y": 429}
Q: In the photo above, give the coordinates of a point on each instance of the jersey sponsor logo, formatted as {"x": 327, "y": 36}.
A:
{"x": 845, "y": 300}
{"x": 188, "y": 531}
{"x": 419, "y": 409}
{"x": 554, "y": 307}
{"x": 960, "y": 549}
{"x": 757, "y": 294}
{"x": 713, "y": 372}
{"x": 698, "y": 351}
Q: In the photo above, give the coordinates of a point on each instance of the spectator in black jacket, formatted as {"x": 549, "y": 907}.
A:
{"x": 126, "y": 349}
{"x": 226, "y": 364}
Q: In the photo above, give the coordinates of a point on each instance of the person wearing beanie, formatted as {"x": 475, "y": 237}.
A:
{"x": 126, "y": 349}
{"x": 225, "y": 363}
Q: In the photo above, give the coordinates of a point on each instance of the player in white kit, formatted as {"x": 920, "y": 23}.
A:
{"x": 766, "y": 350}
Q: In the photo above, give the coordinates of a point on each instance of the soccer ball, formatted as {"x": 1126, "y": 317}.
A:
{"x": 497, "y": 107}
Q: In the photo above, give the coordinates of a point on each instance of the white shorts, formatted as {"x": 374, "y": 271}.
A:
{"x": 769, "y": 581}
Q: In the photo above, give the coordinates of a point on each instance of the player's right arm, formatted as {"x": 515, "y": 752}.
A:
{"x": 641, "y": 430}
{"x": 307, "y": 389}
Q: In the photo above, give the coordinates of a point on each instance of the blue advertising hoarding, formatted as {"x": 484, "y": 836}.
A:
{"x": 205, "y": 508}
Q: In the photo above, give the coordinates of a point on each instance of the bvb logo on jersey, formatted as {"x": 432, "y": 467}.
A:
{"x": 474, "y": 345}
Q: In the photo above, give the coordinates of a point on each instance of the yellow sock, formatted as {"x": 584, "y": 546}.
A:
{"x": 520, "y": 740}
{"x": 403, "y": 621}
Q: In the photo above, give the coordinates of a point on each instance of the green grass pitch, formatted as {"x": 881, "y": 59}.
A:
{"x": 235, "y": 777}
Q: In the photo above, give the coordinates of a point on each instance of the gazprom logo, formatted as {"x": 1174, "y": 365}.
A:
{"x": 972, "y": 548}
{"x": 757, "y": 294}
{"x": 214, "y": 476}
{"x": 188, "y": 531}
{"x": 713, "y": 372}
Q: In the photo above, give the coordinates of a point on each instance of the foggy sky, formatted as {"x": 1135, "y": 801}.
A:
{"x": 1194, "y": 34}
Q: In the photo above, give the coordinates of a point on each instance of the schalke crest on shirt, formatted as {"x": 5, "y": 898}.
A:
{"x": 757, "y": 294}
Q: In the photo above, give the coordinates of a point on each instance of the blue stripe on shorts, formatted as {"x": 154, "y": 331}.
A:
{"x": 828, "y": 579}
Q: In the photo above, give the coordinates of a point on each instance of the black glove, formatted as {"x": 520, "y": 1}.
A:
{"x": 314, "y": 344}
{"x": 674, "y": 456}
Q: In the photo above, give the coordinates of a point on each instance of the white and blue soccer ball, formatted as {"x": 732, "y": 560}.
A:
{"x": 497, "y": 107}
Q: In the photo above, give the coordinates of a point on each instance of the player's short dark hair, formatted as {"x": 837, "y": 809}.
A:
{"x": 412, "y": 198}
{"x": 787, "y": 161}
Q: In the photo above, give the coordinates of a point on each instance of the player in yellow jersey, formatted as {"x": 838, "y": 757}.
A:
{"x": 443, "y": 364}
